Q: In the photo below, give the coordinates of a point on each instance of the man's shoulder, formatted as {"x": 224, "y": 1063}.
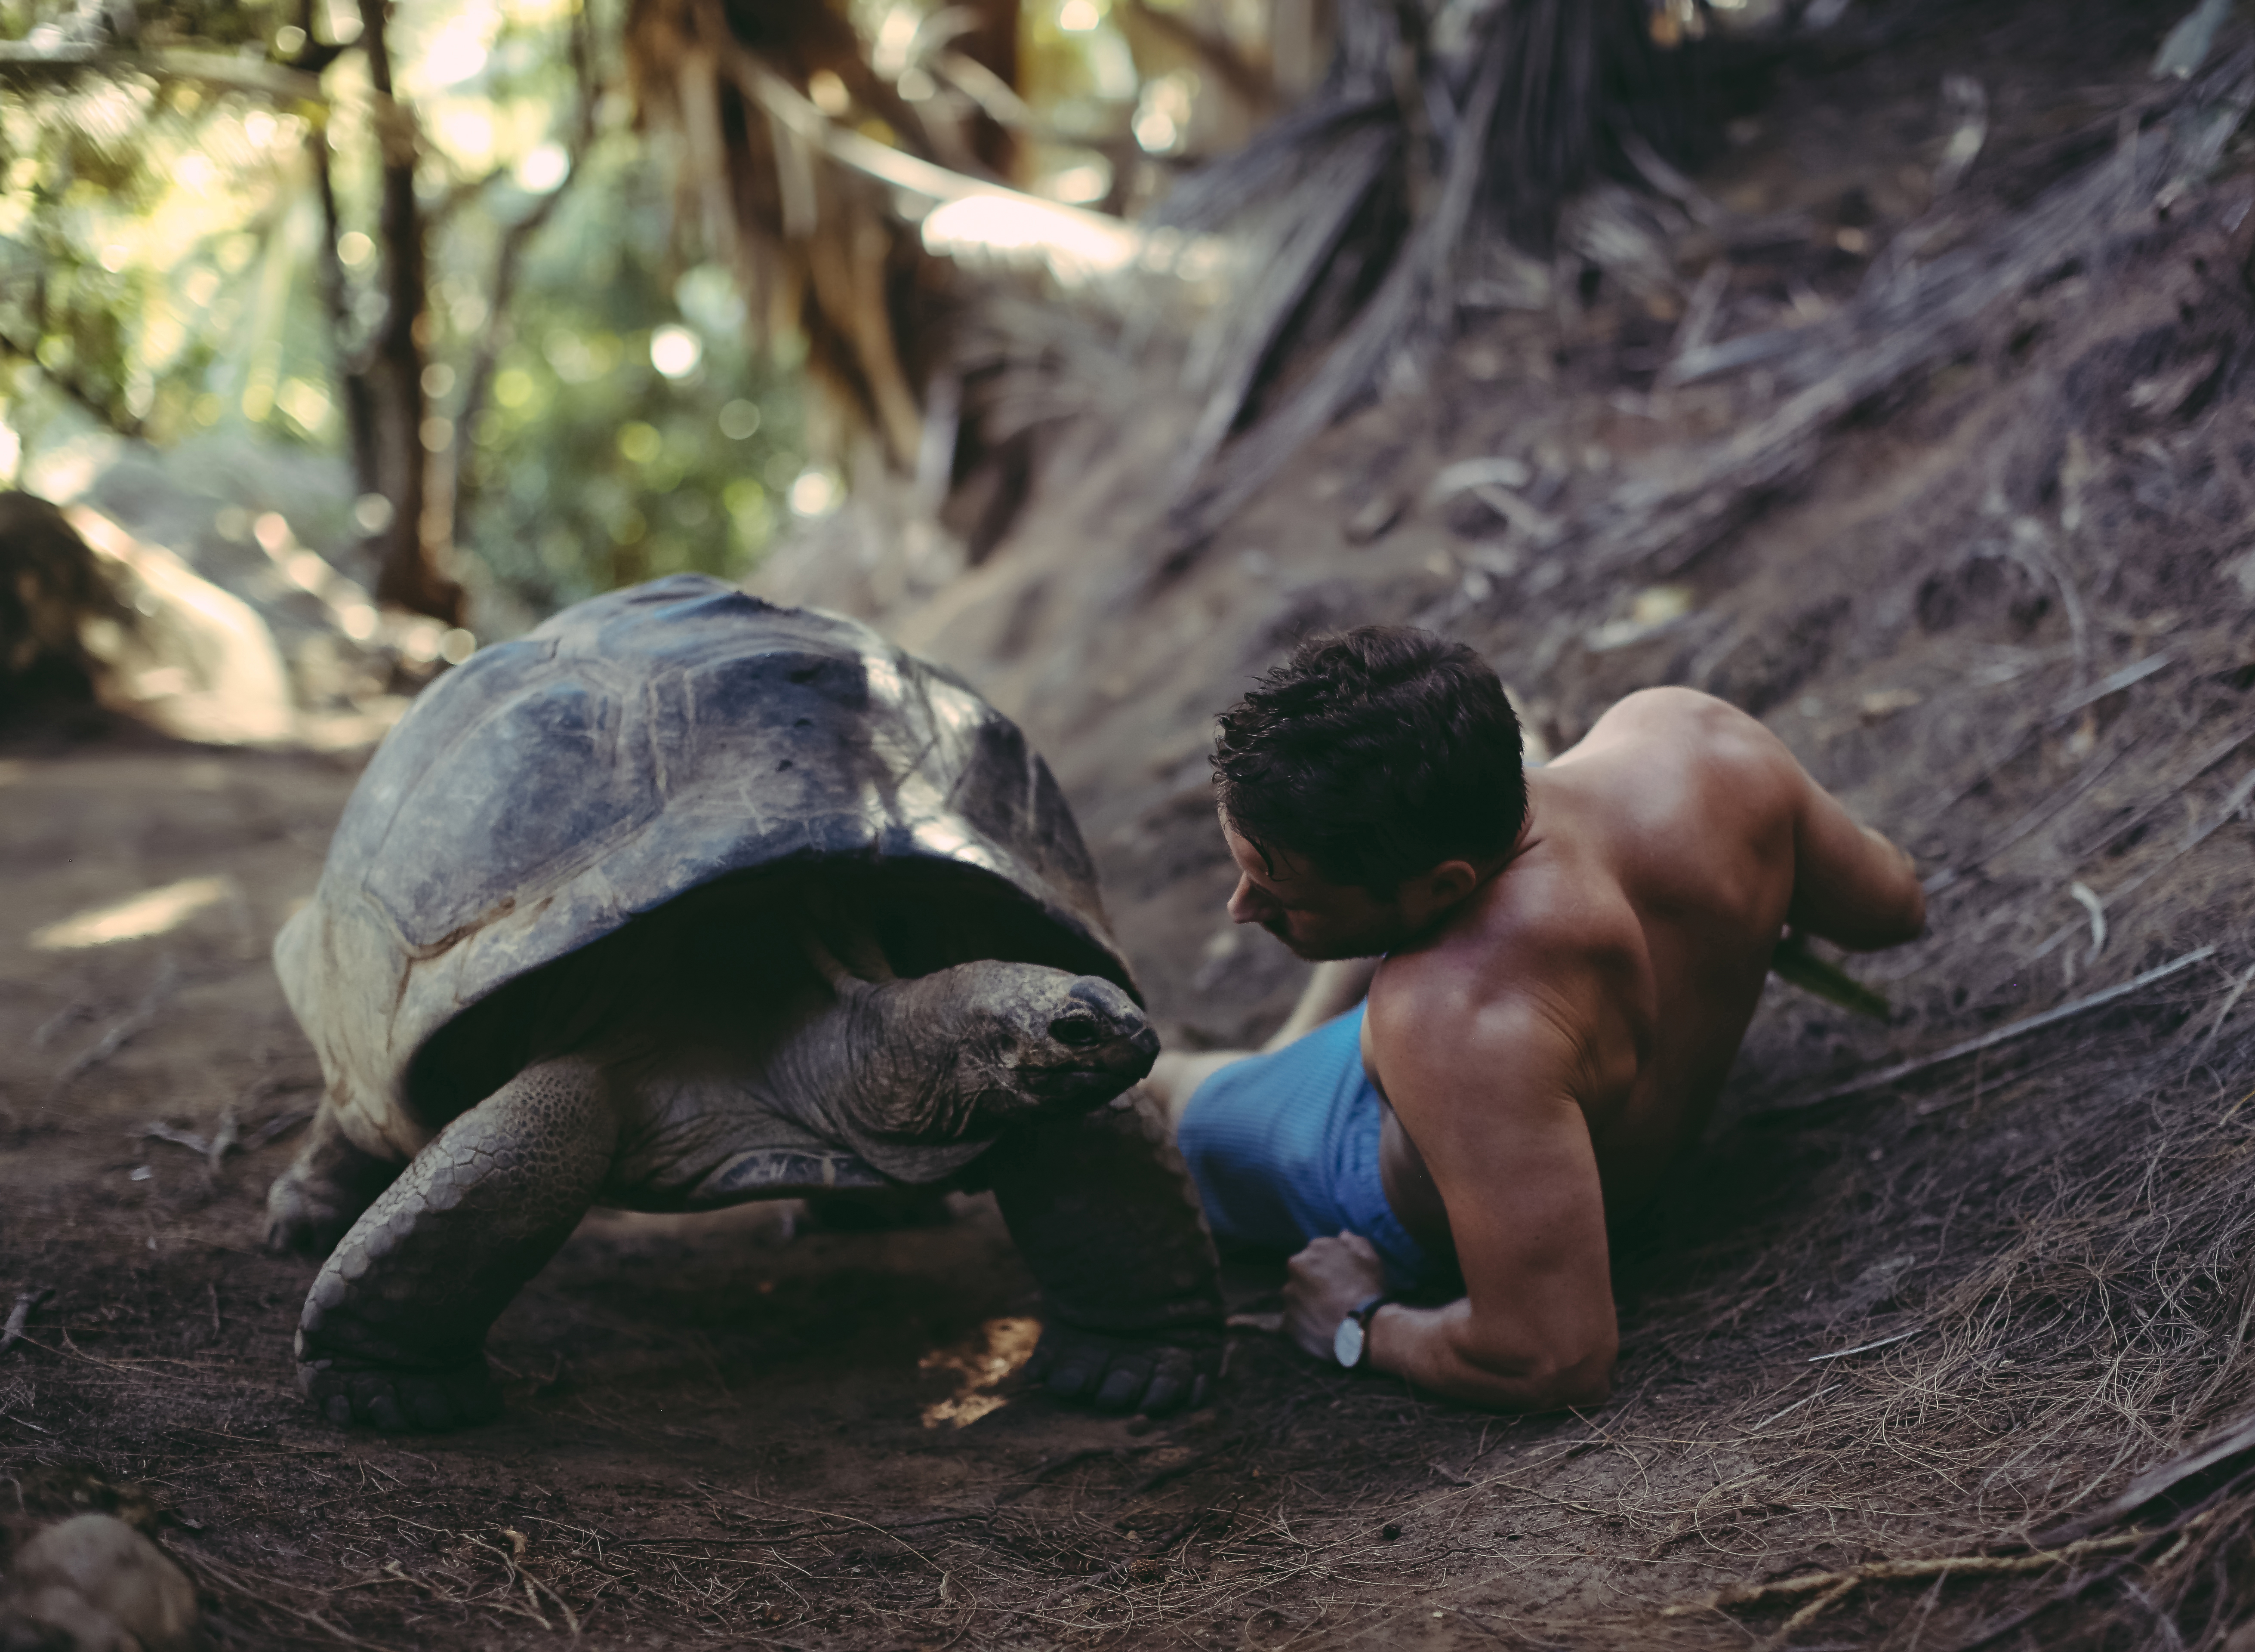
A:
{"x": 1674, "y": 714}
{"x": 1537, "y": 941}
{"x": 1476, "y": 1026}
{"x": 1675, "y": 747}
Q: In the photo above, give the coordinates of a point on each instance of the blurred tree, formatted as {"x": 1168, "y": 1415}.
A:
{"x": 543, "y": 374}
{"x": 1435, "y": 128}
{"x": 265, "y": 237}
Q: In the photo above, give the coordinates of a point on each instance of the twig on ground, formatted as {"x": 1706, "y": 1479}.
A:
{"x": 77, "y": 1010}
{"x": 2238, "y": 798}
{"x": 1747, "y": 1594}
{"x": 850, "y": 1520}
{"x": 2060, "y": 1597}
{"x": 1805, "y": 1399}
{"x": 1865, "y": 1347}
{"x": 1989, "y": 1040}
{"x": 218, "y": 1578}
{"x": 2089, "y": 776}
{"x": 1809, "y": 1614}
{"x": 1159, "y": 1477}
{"x": 125, "y": 1030}
{"x": 228, "y": 1138}
{"x": 2090, "y": 904}
{"x": 2230, "y": 1002}
{"x": 12, "y": 1332}
{"x": 1064, "y": 1460}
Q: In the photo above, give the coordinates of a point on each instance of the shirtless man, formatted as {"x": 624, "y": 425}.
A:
{"x": 1559, "y": 964}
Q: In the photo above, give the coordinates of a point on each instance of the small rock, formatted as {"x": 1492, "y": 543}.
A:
{"x": 106, "y": 1587}
{"x": 1389, "y": 1531}
{"x": 61, "y": 1620}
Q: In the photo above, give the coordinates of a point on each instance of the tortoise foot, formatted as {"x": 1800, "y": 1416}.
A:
{"x": 397, "y": 1401}
{"x": 314, "y": 1203}
{"x": 307, "y": 1213}
{"x": 1154, "y": 1375}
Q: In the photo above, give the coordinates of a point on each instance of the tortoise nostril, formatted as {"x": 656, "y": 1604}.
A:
{"x": 1076, "y": 1030}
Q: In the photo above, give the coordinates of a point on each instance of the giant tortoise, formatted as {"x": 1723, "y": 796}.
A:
{"x": 685, "y": 899}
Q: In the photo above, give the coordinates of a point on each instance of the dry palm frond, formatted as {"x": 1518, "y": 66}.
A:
{"x": 818, "y": 248}
{"x": 1363, "y": 205}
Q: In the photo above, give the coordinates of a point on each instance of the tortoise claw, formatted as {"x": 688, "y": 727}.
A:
{"x": 1125, "y": 1374}
{"x": 397, "y": 1401}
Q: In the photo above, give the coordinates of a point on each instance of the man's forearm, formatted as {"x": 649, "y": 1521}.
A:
{"x": 1432, "y": 1348}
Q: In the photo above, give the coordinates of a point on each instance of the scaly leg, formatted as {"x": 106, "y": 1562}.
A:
{"x": 394, "y": 1329}
{"x": 1106, "y": 1219}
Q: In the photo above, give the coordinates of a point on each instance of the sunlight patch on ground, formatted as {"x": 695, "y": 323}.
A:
{"x": 137, "y": 916}
{"x": 983, "y": 1359}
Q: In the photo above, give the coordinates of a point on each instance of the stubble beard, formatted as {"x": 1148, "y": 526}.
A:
{"x": 1344, "y": 947}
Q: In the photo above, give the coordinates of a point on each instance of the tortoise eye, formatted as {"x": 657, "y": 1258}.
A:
{"x": 1076, "y": 1030}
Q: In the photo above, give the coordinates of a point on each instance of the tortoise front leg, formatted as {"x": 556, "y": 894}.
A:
{"x": 1107, "y": 1218}
{"x": 394, "y": 1329}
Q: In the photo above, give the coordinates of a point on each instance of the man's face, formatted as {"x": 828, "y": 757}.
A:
{"x": 1314, "y": 917}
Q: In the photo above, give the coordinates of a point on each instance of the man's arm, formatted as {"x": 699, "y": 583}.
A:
{"x": 1494, "y": 1113}
{"x": 1850, "y": 886}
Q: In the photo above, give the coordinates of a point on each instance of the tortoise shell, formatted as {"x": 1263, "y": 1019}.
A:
{"x": 633, "y": 750}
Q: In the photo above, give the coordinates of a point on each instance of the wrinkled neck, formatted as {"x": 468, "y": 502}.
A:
{"x": 883, "y": 1061}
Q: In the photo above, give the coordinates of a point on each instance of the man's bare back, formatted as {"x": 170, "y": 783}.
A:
{"x": 1658, "y": 868}
{"x": 1551, "y": 1035}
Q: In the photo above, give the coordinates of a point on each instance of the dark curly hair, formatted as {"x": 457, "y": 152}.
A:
{"x": 1375, "y": 755}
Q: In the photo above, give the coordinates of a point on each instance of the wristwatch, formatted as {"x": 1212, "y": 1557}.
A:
{"x": 1351, "y": 1342}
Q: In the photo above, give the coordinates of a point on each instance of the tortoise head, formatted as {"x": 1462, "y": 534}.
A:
{"x": 997, "y": 1041}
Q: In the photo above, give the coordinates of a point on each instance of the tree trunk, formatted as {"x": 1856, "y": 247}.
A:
{"x": 408, "y": 573}
{"x": 336, "y": 299}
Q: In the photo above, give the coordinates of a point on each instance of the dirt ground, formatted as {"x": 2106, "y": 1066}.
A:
{"x": 2011, "y": 619}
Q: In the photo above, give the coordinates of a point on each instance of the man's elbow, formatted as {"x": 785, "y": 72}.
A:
{"x": 1907, "y": 923}
{"x": 1557, "y": 1380}
{"x": 1579, "y": 1386}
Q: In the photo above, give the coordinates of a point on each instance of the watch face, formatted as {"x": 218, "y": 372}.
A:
{"x": 1346, "y": 1342}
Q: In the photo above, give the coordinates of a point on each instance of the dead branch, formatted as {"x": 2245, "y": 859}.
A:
{"x": 1991, "y": 1039}
{"x": 1747, "y": 1594}
{"x": 2175, "y": 1532}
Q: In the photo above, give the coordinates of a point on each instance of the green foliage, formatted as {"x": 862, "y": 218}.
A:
{"x": 161, "y": 253}
{"x": 593, "y": 468}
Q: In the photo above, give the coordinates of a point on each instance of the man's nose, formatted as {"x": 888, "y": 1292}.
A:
{"x": 1248, "y": 901}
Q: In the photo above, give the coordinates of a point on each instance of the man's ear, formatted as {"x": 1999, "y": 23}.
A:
{"x": 1438, "y": 889}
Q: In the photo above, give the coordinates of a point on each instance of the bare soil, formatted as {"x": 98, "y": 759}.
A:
{"x": 717, "y": 1429}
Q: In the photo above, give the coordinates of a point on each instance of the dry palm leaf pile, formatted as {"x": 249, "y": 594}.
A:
{"x": 1945, "y": 1341}
{"x": 1919, "y": 420}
